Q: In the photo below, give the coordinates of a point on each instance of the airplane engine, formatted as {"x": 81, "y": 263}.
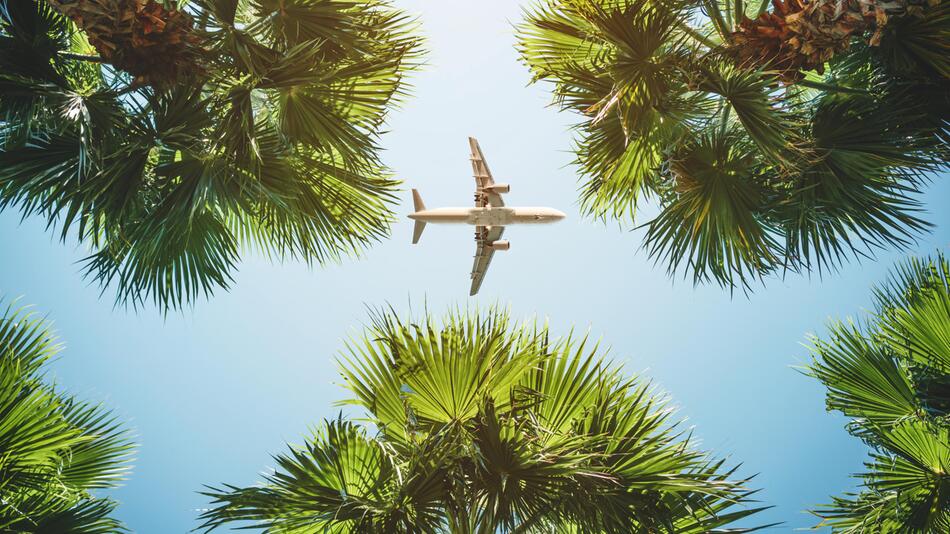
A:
{"x": 499, "y": 188}
{"x": 499, "y": 245}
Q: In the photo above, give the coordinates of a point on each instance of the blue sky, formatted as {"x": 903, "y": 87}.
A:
{"x": 213, "y": 391}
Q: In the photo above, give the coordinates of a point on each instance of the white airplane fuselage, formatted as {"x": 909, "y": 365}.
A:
{"x": 489, "y": 216}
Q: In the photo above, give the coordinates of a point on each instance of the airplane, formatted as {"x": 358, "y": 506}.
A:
{"x": 489, "y": 216}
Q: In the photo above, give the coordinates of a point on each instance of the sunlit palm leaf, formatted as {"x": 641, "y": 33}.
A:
{"x": 890, "y": 377}
{"x": 341, "y": 481}
{"x": 916, "y": 307}
{"x": 272, "y": 144}
{"x": 716, "y": 222}
{"x": 837, "y": 163}
{"x": 489, "y": 426}
{"x": 54, "y": 450}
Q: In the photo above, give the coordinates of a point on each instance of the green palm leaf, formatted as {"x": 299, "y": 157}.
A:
{"x": 864, "y": 380}
{"x": 888, "y": 377}
{"x": 716, "y": 222}
{"x": 54, "y": 450}
{"x": 483, "y": 426}
{"x": 832, "y": 166}
{"x": 270, "y": 143}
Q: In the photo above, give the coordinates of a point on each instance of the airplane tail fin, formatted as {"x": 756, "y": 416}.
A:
{"x": 418, "y": 205}
{"x": 417, "y": 200}
{"x": 417, "y": 231}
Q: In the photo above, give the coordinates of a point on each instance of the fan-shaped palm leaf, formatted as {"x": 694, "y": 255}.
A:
{"x": 487, "y": 426}
{"x": 890, "y": 377}
{"x": 54, "y": 450}
{"x": 167, "y": 172}
{"x": 831, "y": 166}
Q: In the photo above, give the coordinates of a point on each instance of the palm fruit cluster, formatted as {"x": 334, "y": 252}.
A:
{"x": 156, "y": 44}
{"x": 798, "y": 35}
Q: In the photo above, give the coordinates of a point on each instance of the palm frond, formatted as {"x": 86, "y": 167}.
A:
{"x": 716, "y": 222}
{"x": 55, "y": 450}
{"x": 621, "y": 65}
{"x": 270, "y": 141}
{"x": 340, "y": 481}
{"x": 836, "y": 162}
{"x": 889, "y": 376}
{"x": 487, "y": 425}
{"x": 915, "y": 307}
{"x": 864, "y": 380}
{"x": 918, "y": 46}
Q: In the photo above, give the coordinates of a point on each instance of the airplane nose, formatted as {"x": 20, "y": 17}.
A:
{"x": 558, "y": 215}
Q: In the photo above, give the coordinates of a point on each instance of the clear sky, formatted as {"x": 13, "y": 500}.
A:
{"x": 213, "y": 391}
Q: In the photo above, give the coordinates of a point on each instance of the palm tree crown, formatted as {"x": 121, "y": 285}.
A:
{"x": 482, "y": 425}
{"x": 891, "y": 376}
{"x": 758, "y": 164}
{"x": 55, "y": 451}
{"x": 256, "y": 128}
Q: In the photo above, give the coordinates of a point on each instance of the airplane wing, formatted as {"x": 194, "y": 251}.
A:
{"x": 483, "y": 178}
{"x": 483, "y": 253}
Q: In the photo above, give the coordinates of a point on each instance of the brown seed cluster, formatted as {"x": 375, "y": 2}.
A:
{"x": 798, "y": 35}
{"x": 157, "y": 45}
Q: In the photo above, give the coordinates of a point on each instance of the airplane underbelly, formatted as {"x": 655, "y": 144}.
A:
{"x": 529, "y": 219}
{"x": 489, "y": 217}
{"x": 443, "y": 216}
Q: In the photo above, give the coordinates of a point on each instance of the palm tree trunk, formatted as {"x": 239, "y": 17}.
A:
{"x": 157, "y": 45}
{"x": 798, "y": 35}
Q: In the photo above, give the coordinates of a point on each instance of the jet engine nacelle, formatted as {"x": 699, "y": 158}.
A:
{"x": 499, "y": 188}
{"x": 499, "y": 245}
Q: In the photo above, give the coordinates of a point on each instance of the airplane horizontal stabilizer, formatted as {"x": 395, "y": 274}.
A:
{"x": 417, "y": 203}
{"x": 417, "y": 231}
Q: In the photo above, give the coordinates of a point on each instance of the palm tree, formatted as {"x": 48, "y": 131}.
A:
{"x": 481, "y": 425}
{"x": 758, "y": 163}
{"x": 170, "y": 138}
{"x": 891, "y": 376}
{"x": 56, "y": 452}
